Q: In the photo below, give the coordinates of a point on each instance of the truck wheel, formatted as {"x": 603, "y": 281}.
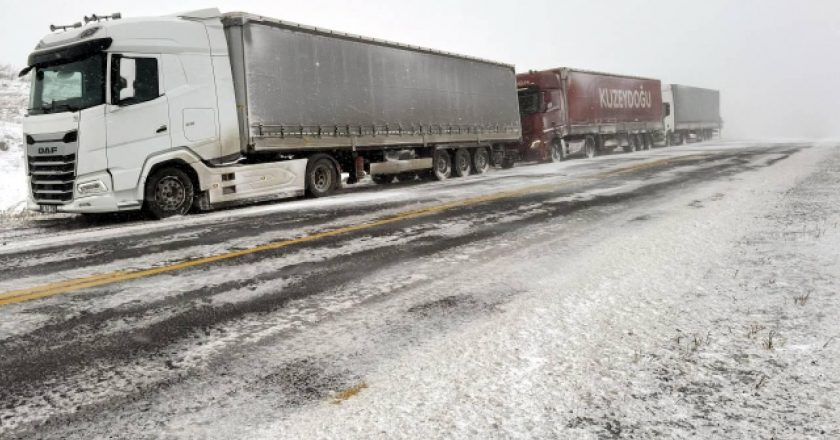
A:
{"x": 679, "y": 139}
{"x": 647, "y": 142}
{"x": 631, "y": 144}
{"x": 441, "y": 165}
{"x": 382, "y": 179}
{"x": 589, "y": 147}
{"x": 558, "y": 153}
{"x": 461, "y": 163}
{"x": 321, "y": 176}
{"x": 168, "y": 192}
{"x": 480, "y": 160}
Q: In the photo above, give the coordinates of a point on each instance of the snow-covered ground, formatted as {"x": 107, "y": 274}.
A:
{"x": 13, "y": 96}
{"x": 710, "y": 315}
{"x": 703, "y": 310}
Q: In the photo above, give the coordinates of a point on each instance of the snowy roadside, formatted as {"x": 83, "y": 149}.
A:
{"x": 12, "y": 174}
{"x": 712, "y": 316}
{"x": 13, "y": 96}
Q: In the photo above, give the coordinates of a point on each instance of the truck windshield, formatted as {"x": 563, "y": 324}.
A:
{"x": 68, "y": 87}
{"x": 529, "y": 101}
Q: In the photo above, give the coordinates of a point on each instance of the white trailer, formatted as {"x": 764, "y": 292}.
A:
{"x": 198, "y": 109}
{"x": 690, "y": 114}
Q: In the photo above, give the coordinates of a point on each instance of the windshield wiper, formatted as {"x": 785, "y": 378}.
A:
{"x": 52, "y": 107}
{"x": 68, "y": 107}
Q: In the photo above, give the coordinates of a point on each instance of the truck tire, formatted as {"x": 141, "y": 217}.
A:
{"x": 480, "y": 160}
{"x": 589, "y": 147}
{"x": 631, "y": 144}
{"x": 647, "y": 141}
{"x": 558, "y": 152}
{"x": 679, "y": 139}
{"x": 169, "y": 191}
{"x": 382, "y": 179}
{"x": 461, "y": 163}
{"x": 321, "y": 176}
{"x": 441, "y": 165}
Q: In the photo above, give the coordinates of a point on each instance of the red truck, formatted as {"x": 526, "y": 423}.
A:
{"x": 568, "y": 111}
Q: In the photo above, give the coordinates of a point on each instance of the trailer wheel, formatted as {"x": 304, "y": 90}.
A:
{"x": 442, "y": 165}
{"x": 321, "y": 176}
{"x": 558, "y": 152}
{"x": 169, "y": 191}
{"x": 382, "y": 179}
{"x": 647, "y": 141}
{"x": 480, "y": 160}
{"x": 461, "y": 163}
{"x": 631, "y": 144}
{"x": 589, "y": 147}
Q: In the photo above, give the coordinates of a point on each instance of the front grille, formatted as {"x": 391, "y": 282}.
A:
{"x": 52, "y": 178}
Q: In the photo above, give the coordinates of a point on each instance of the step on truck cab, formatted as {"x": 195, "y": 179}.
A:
{"x": 199, "y": 109}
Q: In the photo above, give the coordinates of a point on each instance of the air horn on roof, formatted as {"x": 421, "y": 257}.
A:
{"x": 87, "y": 19}
{"x": 54, "y": 27}
{"x": 94, "y": 17}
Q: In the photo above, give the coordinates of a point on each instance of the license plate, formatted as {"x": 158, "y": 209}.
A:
{"x": 49, "y": 209}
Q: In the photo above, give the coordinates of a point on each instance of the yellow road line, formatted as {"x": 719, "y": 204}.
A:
{"x": 71, "y": 285}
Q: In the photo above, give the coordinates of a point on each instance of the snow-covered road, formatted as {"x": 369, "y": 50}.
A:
{"x": 681, "y": 293}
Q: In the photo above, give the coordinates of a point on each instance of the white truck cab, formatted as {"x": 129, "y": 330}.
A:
{"x": 122, "y": 109}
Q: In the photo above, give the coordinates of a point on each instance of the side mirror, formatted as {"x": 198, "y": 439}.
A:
{"x": 128, "y": 73}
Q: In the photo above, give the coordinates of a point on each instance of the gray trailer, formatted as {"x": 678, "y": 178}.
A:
{"x": 386, "y": 107}
{"x": 690, "y": 113}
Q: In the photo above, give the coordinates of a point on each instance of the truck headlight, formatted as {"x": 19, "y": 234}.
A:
{"x": 536, "y": 144}
{"x": 92, "y": 187}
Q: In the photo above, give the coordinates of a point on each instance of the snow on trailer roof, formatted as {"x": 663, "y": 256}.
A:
{"x": 593, "y": 72}
{"x": 240, "y": 18}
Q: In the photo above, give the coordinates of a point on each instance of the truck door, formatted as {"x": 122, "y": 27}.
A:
{"x": 137, "y": 116}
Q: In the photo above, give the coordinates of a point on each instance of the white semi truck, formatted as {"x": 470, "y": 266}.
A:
{"x": 193, "y": 110}
{"x": 690, "y": 114}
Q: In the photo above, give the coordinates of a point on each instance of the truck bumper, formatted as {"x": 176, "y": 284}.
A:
{"x": 101, "y": 203}
{"x": 107, "y": 201}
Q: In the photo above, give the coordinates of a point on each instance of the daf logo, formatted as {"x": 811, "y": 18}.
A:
{"x": 47, "y": 150}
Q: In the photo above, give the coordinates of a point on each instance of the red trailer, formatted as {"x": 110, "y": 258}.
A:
{"x": 568, "y": 111}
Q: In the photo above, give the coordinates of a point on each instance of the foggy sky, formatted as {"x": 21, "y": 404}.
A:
{"x": 777, "y": 63}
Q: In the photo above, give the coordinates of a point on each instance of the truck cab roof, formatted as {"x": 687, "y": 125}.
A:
{"x": 176, "y": 33}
